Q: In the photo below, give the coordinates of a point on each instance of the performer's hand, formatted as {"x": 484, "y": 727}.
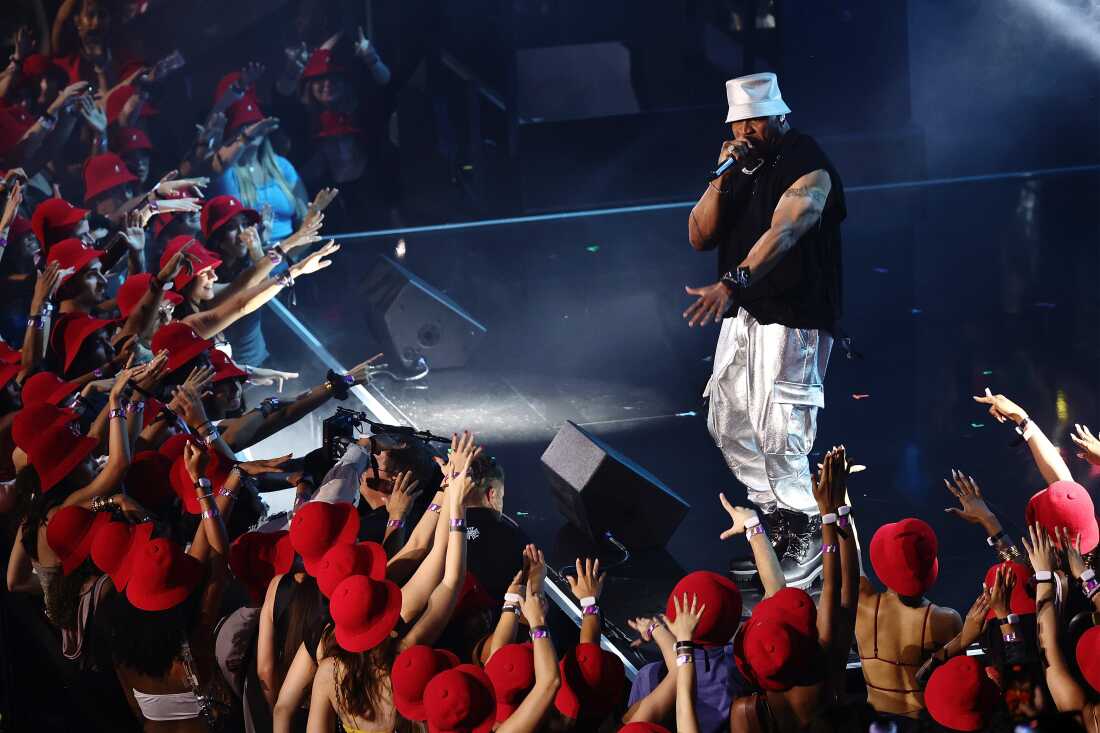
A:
{"x": 713, "y": 302}
{"x": 739, "y": 149}
{"x": 738, "y": 516}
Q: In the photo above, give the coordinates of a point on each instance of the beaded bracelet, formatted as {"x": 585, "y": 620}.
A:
{"x": 395, "y": 523}
{"x": 458, "y": 525}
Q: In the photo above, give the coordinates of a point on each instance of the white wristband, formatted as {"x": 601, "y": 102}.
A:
{"x": 588, "y": 601}
{"x": 843, "y": 510}
{"x": 829, "y": 518}
{"x": 1043, "y": 575}
{"x": 513, "y": 598}
{"x": 1029, "y": 432}
{"x": 752, "y": 521}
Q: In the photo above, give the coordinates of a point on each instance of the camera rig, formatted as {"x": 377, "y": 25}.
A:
{"x": 338, "y": 431}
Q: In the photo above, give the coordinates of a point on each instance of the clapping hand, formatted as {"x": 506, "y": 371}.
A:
{"x": 196, "y": 459}
{"x": 830, "y": 483}
{"x": 536, "y": 569}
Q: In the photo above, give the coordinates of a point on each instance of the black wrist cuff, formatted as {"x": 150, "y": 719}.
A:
{"x": 339, "y": 384}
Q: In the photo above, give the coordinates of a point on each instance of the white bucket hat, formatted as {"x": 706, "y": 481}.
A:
{"x": 755, "y": 95}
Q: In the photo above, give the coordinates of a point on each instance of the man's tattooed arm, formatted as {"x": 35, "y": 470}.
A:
{"x": 806, "y": 192}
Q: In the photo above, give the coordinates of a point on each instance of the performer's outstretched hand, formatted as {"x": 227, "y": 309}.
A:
{"x": 713, "y": 302}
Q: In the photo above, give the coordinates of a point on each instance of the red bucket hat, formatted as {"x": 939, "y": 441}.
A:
{"x": 460, "y": 700}
{"x": 331, "y": 123}
{"x": 512, "y": 671}
{"x": 70, "y": 532}
{"x": 162, "y": 576}
{"x": 55, "y": 452}
{"x": 257, "y": 557}
{"x": 317, "y": 526}
{"x": 413, "y": 669}
{"x": 31, "y": 421}
{"x": 345, "y": 559}
{"x": 1022, "y": 601}
{"x": 723, "y": 602}
{"x": 74, "y": 329}
{"x": 53, "y": 220}
{"x": 114, "y": 547}
{"x": 779, "y": 656}
{"x": 903, "y": 555}
{"x": 134, "y": 289}
{"x": 72, "y": 254}
{"x": 592, "y": 683}
{"x": 219, "y": 210}
{"x": 1065, "y": 504}
{"x": 118, "y": 98}
{"x": 200, "y": 259}
{"x": 181, "y": 342}
{"x": 148, "y": 479}
{"x": 173, "y": 447}
{"x": 960, "y": 695}
{"x": 244, "y": 111}
{"x": 102, "y": 173}
{"x": 790, "y": 606}
{"x": 1088, "y": 657}
{"x": 129, "y": 139}
{"x": 322, "y": 63}
{"x": 364, "y": 611}
{"x": 224, "y": 367}
{"x": 217, "y": 472}
{"x": 643, "y": 728}
{"x": 47, "y": 388}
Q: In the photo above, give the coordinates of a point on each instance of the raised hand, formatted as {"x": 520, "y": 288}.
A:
{"x": 463, "y": 455}
{"x": 1071, "y": 550}
{"x": 122, "y": 385}
{"x": 687, "y": 617}
{"x": 974, "y": 622}
{"x": 589, "y": 580}
{"x": 175, "y": 263}
{"x": 316, "y": 261}
{"x": 362, "y": 45}
{"x": 1087, "y": 442}
{"x": 405, "y": 491}
{"x": 1040, "y": 550}
{"x": 536, "y": 569}
{"x": 190, "y": 407}
{"x": 1002, "y": 408}
{"x": 738, "y": 516}
{"x": 297, "y": 57}
{"x": 133, "y": 234}
{"x": 266, "y": 126}
{"x": 323, "y": 198}
{"x": 45, "y": 287}
{"x": 972, "y": 506}
{"x": 331, "y": 41}
{"x": 711, "y": 305}
{"x": 642, "y": 625}
{"x": 67, "y": 97}
{"x": 306, "y": 234}
{"x": 196, "y": 459}
{"x": 93, "y": 115}
{"x": 11, "y": 206}
{"x": 1000, "y": 593}
{"x": 534, "y": 606}
{"x": 149, "y": 375}
{"x": 830, "y": 484}
{"x": 361, "y": 372}
{"x": 251, "y": 73}
{"x": 170, "y": 186}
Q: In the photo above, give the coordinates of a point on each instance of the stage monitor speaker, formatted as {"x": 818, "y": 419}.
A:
{"x": 413, "y": 320}
{"x": 600, "y": 490}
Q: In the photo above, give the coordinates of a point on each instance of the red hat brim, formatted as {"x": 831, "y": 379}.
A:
{"x": 54, "y": 471}
{"x": 370, "y": 637}
{"x": 483, "y": 726}
{"x": 349, "y": 530}
{"x": 414, "y": 709}
{"x": 83, "y": 550}
{"x": 189, "y": 574}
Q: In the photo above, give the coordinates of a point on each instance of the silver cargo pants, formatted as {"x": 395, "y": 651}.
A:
{"x": 765, "y": 390}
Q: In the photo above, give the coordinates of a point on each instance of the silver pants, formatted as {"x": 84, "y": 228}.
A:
{"x": 765, "y": 391}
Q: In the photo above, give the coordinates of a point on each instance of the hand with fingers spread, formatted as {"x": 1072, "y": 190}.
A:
{"x": 134, "y": 236}
{"x": 1071, "y": 551}
{"x": 190, "y": 407}
{"x": 316, "y": 261}
{"x": 974, "y": 622}
{"x": 687, "y": 618}
{"x": 405, "y": 491}
{"x": 306, "y": 234}
{"x": 712, "y": 302}
{"x": 266, "y": 126}
{"x": 198, "y": 379}
{"x": 1002, "y": 408}
{"x": 738, "y": 516}
{"x": 589, "y": 581}
{"x": 1000, "y": 593}
{"x": 174, "y": 265}
{"x": 152, "y": 372}
{"x": 460, "y": 485}
{"x": 972, "y": 506}
{"x": 250, "y": 74}
{"x": 1087, "y": 442}
{"x": 170, "y": 186}
{"x": 93, "y": 115}
{"x": 1040, "y": 550}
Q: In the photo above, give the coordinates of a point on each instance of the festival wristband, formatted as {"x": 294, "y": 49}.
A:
{"x": 211, "y": 513}
{"x": 540, "y": 632}
{"x": 842, "y": 518}
{"x": 511, "y": 608}
{"x": 1009, "y": 638}
{"x": 1044, "y": 576}
{"x": 752, "y": 521}
{"x": 458, "y": 525}
{"x": 1010, "y": 620}
{"x": 829, "y": 518}
{"x": 136, "y": 406}
{"x": 1086, "y": 575}
{"x": 992, "y": 540}
{"x": 395, "y": 524}
{"x": 683, "y": 659}
{"x": 513, "y": 598}
{"x": 588, "y": 601}
{"x": 829, "y": 548}
{"x": 274, "y": 256}
{"x": 433, "y": 507}
{"x": 750, "y": 532}
{"x": 1090, "y": 587}
{"x": 592, "y": 610}
{"x": 116, "y": 412}
{"x": 652, "y": 627}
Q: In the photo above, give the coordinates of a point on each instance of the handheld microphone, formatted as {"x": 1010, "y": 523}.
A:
{"x": 726, "y": 165}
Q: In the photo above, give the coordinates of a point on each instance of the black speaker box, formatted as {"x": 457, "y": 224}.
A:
{"x": 600, "y": 490}
{"x": 413, "y": 320}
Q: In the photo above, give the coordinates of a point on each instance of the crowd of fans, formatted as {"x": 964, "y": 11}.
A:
{"x": 137, "y": 535}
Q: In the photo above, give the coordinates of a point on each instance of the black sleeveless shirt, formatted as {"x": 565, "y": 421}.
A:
{"x": 804, "y": 288}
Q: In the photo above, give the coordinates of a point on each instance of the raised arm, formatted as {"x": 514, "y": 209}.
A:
{"x": 746, "y": 521}
{"x": 265, "y": 643}
{"x": 505, "y": 631}
{"x": 586, "y": 588}
{"x": 687, "y": 618}
{"x": 118, "y": 460}
{"x": 212, "y": 322}
{"x": 972, "y": 508}
{"x": 1047, "y": 458}
{"x": 712, "y": 214}
{"x": 398, "y": 503}
{"x": 402, "y": 565}
{"x": 529, "y": 715}
{"x": 295, "y": 686}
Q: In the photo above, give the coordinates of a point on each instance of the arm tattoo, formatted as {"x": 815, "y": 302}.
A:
{"x": 813, "y": 193}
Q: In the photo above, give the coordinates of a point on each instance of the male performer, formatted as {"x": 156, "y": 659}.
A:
{"x": 774, "y": 216}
